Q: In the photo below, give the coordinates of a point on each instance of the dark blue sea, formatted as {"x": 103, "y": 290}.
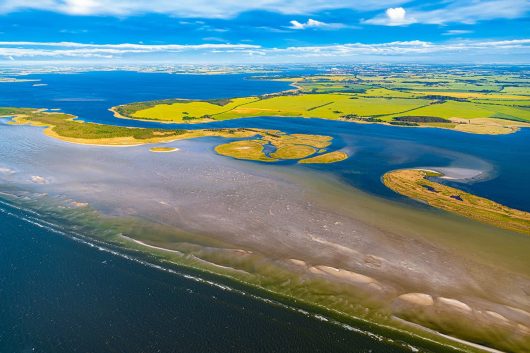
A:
{"x": 60, "y": 295}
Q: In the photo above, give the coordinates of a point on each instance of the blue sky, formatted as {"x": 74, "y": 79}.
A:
{"x": 265, "y": 31}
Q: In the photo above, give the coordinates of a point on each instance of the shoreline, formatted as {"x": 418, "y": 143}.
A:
{"x": 340, "y": 316}
{"x": 480, "y": 347}
{"x": 393, "y": 335}
{"x": 295, "y": 299}
{"x": 489, "y": 126}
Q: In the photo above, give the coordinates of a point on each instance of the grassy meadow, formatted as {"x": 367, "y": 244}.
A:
{"x": 377, "y": 98}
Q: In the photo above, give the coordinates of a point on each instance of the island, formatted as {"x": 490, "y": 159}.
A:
{"x": 163, "y": 149}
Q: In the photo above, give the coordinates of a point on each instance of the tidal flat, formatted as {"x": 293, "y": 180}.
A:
{"x": 299, "y": 232}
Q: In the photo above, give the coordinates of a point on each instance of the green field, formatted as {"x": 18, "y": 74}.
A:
{"x": 458, "y": 98}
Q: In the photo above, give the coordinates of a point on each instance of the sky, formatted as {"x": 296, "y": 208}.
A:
{"x": 265, "y": 31}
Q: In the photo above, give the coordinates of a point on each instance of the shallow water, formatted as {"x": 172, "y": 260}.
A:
{"x": 377, "y": 149}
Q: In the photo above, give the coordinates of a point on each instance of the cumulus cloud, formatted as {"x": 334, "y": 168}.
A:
{"x": 314, "y": 24}
{"x": 455, "y": 11}
{"x": 396, "y": 16}
{"x": 187, "y": 8}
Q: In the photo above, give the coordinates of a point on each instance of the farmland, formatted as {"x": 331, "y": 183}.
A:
{"x": 485, "y": 104}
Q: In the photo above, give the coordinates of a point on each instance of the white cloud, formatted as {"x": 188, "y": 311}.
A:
{"x": 456, "y": 11}
{"x": 195, "y": 8}
{"x": 354, "y": 51}
{"x": 456, "y": 32}
{"x": 396, "y": 16}
{"x": 310, "y": 23}
{"x": 83, "y": 50}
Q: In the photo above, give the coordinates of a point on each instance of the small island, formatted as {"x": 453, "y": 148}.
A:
{"x": 283, "y": 147}
{"x": 330, "y": 157}
{"x": 163, "y": 149}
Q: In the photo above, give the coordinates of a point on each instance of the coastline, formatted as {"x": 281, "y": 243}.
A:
{"x": 481, "y": 126}
{"x": 474, "y": 128}
{"x": 418, "y": 339}
{"x": 342, "y": 317}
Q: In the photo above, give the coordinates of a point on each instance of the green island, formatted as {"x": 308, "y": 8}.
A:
{"x": 286, "y": 147}
{"x": 473, "y": 103}
{"x": 65, "y": 127}
{"x": 415, "y": 184}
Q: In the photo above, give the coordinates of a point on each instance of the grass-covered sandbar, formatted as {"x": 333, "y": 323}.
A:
{"x": 65, "y": 127}
{"x": 415, "y": 184}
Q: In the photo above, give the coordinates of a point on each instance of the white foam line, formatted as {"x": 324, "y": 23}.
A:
{"x": 150, "y": 246}
{"x": 97, "y": 244}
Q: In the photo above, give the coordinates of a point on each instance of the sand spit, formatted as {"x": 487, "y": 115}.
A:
{"x": 151, "y": 246}
{"x": 342, "y": 274}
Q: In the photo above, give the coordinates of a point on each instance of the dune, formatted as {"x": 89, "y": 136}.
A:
{"x": 454, "y": 304}
{"x": 417, "y": 299}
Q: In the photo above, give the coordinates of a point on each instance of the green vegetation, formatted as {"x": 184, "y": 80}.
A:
{"x": 64, "y": 125}
{"x": 293, "y": 152}
{"x": 415, "y": 184}
{"x": 247, "y": 149}
{"x": 286, "y": 147}
{"x": 453, "y": 100}
{"x": 181, "y": 110}
{"x": 66, "y": 128}
{"x": 330, "y": 157}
